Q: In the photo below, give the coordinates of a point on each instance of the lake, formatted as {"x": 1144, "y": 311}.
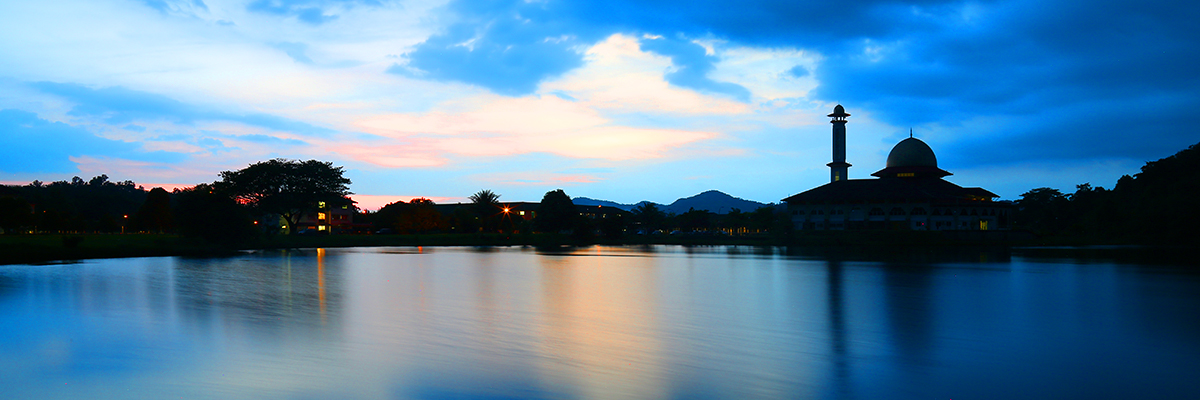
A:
{"x": 652, "y": 322}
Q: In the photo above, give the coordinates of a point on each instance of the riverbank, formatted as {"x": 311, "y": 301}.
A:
{"x": 34, "y": 249}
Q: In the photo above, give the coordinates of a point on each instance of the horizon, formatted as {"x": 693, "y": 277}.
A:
{"x": 441, "y": 99}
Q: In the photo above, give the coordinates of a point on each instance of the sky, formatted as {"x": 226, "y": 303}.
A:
{"x": 617, "y": 100}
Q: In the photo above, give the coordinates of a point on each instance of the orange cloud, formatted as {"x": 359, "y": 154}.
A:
{"x": 508, "y": 126}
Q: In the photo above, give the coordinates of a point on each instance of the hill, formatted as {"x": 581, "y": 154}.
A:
{"x": 713, "y": 200}
{"x": 584, "y": 201}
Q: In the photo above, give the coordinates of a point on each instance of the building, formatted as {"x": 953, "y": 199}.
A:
{"x": 908, "y": 194}
{"x": 327, "y": 218}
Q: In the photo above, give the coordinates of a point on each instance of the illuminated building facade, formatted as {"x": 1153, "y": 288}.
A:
{"x": 909, "y": 194}
{"x": 327, "y": 218}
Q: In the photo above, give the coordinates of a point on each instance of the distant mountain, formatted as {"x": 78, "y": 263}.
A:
{"x": 584, "y": 201}
{"x": 712, "y": 200}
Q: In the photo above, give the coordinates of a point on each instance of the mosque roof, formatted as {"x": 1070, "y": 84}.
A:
{"x": 916, "y": 190}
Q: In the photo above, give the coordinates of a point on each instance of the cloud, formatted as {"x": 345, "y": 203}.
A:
{"x": 312, "y": 12}
{"x": 295, "y": 51}
{"x": 511, "y": 46}
{"x": 267, "y": 139}
{"x": 504, "y": 50}
{"x": 509, "y": 126}
{"x": 1058, "y": 84}
{"x": 32, "y": 144}
{"x": 536, "y": 178}
{"x": 174, "y": 173}
{"x": 692, "y": 65}
{"x": 916, "y": 63}
{"x": 117, "y": 105}
{"x": 619, "y": 76}
{"x": 180, "y": 7}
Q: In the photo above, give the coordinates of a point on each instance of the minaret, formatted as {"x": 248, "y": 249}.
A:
{"x": 837, "y": 168}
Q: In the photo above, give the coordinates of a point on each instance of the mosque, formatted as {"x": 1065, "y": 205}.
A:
{"x": 909, "y": 194}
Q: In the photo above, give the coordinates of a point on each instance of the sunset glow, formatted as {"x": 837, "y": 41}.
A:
{"x": 443, "y": 98}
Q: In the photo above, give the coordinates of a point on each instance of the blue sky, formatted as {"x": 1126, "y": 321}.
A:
{"x": 619, "y": 100}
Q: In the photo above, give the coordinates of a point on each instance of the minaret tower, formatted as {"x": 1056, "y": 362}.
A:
{"x": 837, "y": 168}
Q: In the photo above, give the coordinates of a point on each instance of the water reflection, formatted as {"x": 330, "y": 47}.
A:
{"x": 704, "y": 322}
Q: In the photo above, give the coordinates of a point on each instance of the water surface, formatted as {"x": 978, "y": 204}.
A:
{"x": 656, "y": 322}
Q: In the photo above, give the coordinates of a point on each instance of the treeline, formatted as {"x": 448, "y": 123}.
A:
{"x": 556, "y": 213}
{"x": 93, "y": 206}
{"x": 242, "y": 205}
{"x": 1155, "y": 206}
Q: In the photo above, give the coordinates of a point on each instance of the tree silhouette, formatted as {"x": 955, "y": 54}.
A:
{"x": 556, "y": 212}
{"x": 650, "y": 216}
{"x": 15, "y": 214}
{"x": 416, "y": 216}
{"x": 205, "y": 213}
{"x": 155, "y": 213}
{"x": 1043, "y": 210}
{"x": 288, "y": 188}
{"x": 486, "y": 207}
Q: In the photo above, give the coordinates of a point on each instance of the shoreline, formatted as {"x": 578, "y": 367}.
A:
{"x": 917, "y": 246}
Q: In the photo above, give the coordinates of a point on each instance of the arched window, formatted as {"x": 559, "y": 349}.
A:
{"x": 896, "y": 211}
{"x": 876, "y": 211}
{"x": 919, "y": 211}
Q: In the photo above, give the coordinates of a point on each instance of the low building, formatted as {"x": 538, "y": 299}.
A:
{"x": 327, "y": 218}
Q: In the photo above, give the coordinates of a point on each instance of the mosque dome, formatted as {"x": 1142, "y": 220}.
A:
{"x": 911, "y": 158}
{"x": 911, "y": 152}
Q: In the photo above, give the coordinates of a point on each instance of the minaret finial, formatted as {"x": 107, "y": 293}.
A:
{"x": 910, "y": 132}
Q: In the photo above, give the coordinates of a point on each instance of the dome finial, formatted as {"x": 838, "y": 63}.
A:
{"x": 910, "y": 132}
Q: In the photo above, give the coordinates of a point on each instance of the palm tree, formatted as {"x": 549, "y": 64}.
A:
{"x": 484, "y": 197}
{"x": 485, "y": 205}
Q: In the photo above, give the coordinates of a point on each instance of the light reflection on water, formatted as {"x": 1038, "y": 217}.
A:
{"x": 594, "y": 323}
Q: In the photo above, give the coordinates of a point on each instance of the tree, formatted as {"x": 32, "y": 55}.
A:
{"x": 15, "y": 214}
{"x": 422, "y": 217}
{"x": 736, "y": 220}
{"x": 763, "y": 219}
{"x": 556, "y": 212}
{"x": 205, "y": 213}
{"x": 289, "y": 188}
{"x": 649, "y": 216}
{"x": 485, "y": 206}
{"x": 416, "y": 216}
{"x": 155, "y": 213}
{"x": 1043, "y": 210}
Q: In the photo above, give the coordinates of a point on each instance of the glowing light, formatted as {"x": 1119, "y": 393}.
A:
{"x": 506, "y": 210}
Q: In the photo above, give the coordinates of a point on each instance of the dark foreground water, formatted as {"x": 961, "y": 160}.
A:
{"x": 597, "y": 323}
